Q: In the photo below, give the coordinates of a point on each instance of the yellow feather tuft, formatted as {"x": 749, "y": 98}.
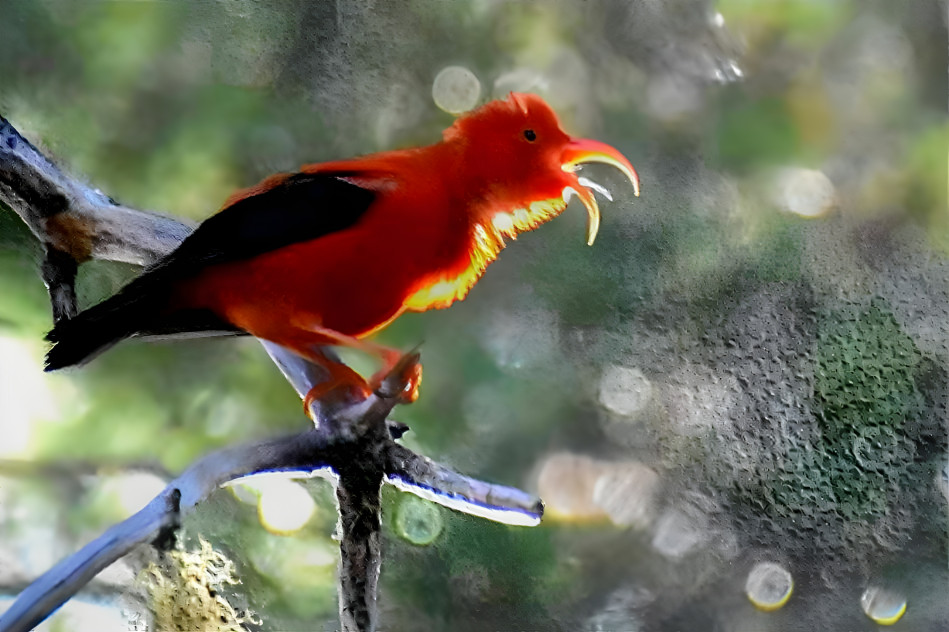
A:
{"x": 487, "y": 241}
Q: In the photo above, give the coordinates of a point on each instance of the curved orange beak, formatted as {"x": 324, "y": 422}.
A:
{"x": 581, "y": 150}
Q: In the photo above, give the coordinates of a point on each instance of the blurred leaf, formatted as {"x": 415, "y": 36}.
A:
{"x": 756, "y": 134}
{"x": 927, "y": 169}
{"x": 805, "y": 23}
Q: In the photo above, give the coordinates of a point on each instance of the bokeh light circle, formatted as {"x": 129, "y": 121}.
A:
{"x": 769, "y": 586}
{"x": 456, "y": 89}
{"x": 884, "y": 606}
{"x": 418, "y": 521}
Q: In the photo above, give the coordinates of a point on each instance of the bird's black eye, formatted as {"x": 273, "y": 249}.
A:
{"x": 530, "y": 135}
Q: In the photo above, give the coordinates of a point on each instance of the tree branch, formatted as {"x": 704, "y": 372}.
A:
{"x": 74, "y": 218}
{"x": 165, "y": 511}
{"x": 76, "y": 223}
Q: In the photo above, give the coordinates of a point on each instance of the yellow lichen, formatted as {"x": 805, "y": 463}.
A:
{"x": 185, "y": 592}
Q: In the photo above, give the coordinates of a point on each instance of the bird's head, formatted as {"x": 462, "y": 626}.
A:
{"x": 526, "y": 167}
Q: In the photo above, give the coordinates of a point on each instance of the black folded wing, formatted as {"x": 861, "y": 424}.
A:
{"x": 286, "y": 210}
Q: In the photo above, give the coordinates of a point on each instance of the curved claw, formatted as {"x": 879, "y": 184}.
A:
{"x": 344, "y": 388}
{"x": 401, "y": 380}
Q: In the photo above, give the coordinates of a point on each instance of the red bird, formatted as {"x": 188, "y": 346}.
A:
{"x": 334, "y": 253}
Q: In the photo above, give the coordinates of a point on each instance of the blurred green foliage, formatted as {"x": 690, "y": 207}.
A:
{"x": 865, "y": 389}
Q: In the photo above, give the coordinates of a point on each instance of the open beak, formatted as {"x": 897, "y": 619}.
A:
{"x": 579, "y": 151}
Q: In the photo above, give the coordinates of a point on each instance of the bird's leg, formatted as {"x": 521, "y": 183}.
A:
{"x": 342, "y": 385}
{"x": 392, "y": 360}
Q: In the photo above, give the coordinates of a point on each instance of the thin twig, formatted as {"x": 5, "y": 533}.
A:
{"x": 59, "y": 274}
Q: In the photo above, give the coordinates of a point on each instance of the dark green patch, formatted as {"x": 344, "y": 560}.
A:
{"x": 755, "y": 134}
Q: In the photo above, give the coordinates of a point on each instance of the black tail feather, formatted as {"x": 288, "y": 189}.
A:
{"x": 140, "y": 309}
{"x": 78, "y": 340}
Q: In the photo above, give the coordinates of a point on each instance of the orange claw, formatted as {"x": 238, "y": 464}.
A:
{"x": 409, "y": 371}
{"x": 343, "y": 386}
{"x": 411, "y": 375}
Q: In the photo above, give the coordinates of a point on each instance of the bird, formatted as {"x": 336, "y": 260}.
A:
{"x": 333, "y": 253}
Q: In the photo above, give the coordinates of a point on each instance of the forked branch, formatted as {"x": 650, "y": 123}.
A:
{"x": 76, "y": 223}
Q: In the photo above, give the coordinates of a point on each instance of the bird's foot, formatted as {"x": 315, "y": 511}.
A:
{"x": 400, "y": 378}
{"x": 344, "y": 388}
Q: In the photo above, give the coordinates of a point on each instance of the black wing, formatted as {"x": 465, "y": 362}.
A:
{"x": 298, "y": 208}
{"x": 302, "y": 207}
